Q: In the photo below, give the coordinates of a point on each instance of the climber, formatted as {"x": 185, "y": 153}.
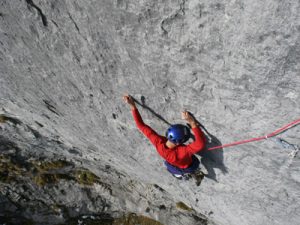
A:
{"x": 180, "y": 159}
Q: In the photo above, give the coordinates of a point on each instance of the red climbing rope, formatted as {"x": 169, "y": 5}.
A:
{"x": 276, "y": 132}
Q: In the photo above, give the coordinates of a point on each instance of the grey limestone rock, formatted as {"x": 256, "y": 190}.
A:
{"x": 64, "y": 66}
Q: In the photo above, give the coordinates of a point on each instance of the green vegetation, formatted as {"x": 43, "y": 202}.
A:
{"x": 133, "y": 219}
{"x": 3, "y": 119}
{"x": 88, "y": 221}
{"x": 10, "y": 170}
{"x": 43, "y": 173}
{"x": 46, "y": 178}
{"x": 54, "y": 165}
{"x": 181, "y": 205}
{"x": 86, "y": 177}
{"x": 129, "y": 219}
{"x": 83, "y": 177}
{"x": 46, "y": 173}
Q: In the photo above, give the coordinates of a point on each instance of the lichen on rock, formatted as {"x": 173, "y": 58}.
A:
{"x": 86, "y": 177}
{"x": 45, "y": 166}
{"x": 182, "y": 206}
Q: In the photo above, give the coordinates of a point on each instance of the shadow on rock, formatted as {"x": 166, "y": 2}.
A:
{"x": 143, "y": 104}
{"x": 214, "y": 159}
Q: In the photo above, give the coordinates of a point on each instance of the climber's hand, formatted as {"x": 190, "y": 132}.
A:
{"x": 129, "y": 100}
{"x": 189, "y": 118}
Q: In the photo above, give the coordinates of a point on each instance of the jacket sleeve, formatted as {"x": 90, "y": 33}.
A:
{"x": 199, "y": 142}
{"x": 145, "y": 129}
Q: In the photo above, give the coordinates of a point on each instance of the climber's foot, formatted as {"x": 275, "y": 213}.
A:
{"x": 198, "y": 176}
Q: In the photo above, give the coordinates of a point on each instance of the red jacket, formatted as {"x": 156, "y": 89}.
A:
{"x": 181, "y": 155}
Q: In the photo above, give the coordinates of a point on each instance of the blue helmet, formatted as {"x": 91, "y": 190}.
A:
{"x": 178, "y": 133}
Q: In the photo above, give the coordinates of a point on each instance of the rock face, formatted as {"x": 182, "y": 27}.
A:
{"x": 64, "y": 66}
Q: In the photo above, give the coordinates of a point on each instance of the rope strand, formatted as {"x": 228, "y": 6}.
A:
{"x": 276, "y": 132}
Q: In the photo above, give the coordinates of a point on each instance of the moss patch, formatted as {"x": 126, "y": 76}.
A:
{"x": 3, "y": 119}
{"x": 9, "y": 170}
{"x": 86, "y": 177}
{"x": 129, "y": 219}
{"x": 83, "y": 177}
{"x": 98, "y": 220}
{"x": 46, "y": 178}
{"x": 54, "y": 165}
{"x": 181, "y": 205}
{"x": 133, "y": 219}
{"x": 45, "y": 172}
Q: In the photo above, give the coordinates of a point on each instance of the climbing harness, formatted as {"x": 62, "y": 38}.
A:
{"x": 276, "y": 132}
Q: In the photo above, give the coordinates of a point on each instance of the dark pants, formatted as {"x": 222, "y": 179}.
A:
{"x": 192, "y": 168}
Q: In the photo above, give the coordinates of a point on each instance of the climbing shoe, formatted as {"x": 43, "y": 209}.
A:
{"x": 198, "y": 176}
{"x": 177, "y": 176}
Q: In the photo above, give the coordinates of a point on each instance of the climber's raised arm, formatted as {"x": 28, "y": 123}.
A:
{"x": 199, "y": 142}
{"x": 144, "y": 128}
